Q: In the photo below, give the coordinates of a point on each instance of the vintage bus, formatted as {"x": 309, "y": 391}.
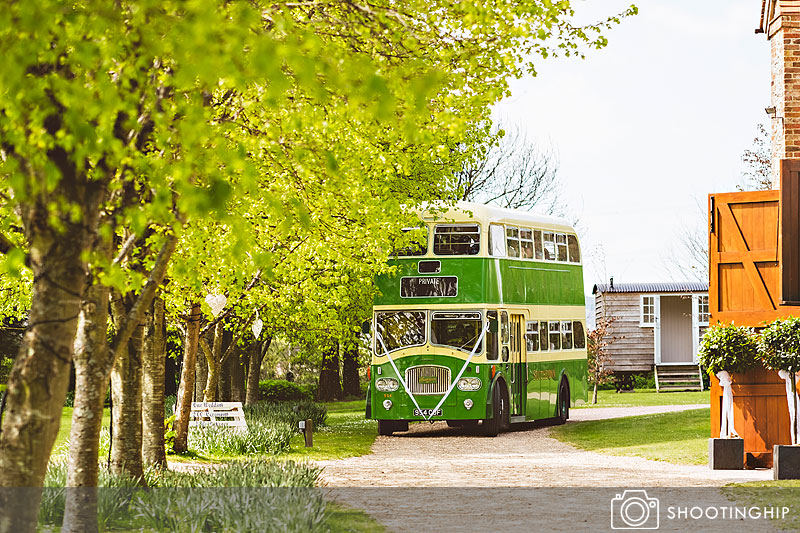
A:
{"x": 482, "y": 324}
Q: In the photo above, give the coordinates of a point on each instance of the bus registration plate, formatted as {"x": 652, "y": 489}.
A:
{"x": 427, "y": 412}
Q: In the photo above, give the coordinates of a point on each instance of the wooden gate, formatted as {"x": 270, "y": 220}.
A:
{"x": 743, "y": 257}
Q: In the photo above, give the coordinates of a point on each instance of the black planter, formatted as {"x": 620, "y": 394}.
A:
{"x": 786, "y": 462}
{"x": 726, "y": 454}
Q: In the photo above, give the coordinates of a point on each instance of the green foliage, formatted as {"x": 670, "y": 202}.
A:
{"x": 260, "y": 438}
{"x": 728, "y": 347}
{"x": 280, "y": 390}
{"x": 112, "y": 499}
{"x": 289, "y": 413}
{"x": 253, "y": 495}
{"x": 169, "y": 432}
{"x": 2, "y": 388}
{"x": 780, "y": 345}
{"x": 646, "y": 380}
{"x": 69, "y": 401}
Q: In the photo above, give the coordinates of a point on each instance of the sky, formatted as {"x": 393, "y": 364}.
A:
{"x": 647, "y": 127}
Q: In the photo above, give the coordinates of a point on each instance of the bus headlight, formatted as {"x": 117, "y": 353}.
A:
{"x": 386, "y": 384}
{"x": 468, "y": 404}
{"x": 468, "y": 384}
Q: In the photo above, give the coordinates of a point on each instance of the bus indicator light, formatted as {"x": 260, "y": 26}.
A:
{"x": 494, "y": 371}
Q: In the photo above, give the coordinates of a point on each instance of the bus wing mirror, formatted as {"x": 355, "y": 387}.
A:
{"x": 493, "y": 326}
{"x": 366, "y": 327}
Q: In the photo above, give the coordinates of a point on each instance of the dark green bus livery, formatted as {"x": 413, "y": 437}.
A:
{"x": 482, "y": 323}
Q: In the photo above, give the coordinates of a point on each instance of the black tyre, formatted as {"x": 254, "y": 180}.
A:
{"x": 563, "y": 403}
{"x": 493, "y": 426}
{"x": 387, "y": 427}
{"x": 462, "y": 423}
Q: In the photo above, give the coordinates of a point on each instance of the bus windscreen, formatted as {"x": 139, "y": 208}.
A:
{"x": 400, "y": 329}
{"x": 456, "y": 330}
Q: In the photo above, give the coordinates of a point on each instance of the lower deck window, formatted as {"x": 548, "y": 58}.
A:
{"x": 456, "y": 330}
{"x": 532, "y": 336}
{"x": 555, "y": 335}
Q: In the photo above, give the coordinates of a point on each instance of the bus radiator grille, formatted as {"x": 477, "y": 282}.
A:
{"x": 428, "y": 379}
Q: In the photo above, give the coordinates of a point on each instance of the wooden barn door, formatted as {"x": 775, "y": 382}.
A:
{"x": 743, "y": 257}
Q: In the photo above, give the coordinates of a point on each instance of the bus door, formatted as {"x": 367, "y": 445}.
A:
{"x": 519, "y": 371}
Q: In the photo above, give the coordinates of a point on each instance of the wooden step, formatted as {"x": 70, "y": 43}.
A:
{"x": 678, "y": 377}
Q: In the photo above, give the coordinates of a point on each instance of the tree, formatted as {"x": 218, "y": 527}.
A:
{"x": 156, "y": 115}
{"x": 597, "y": 356}
{"x": 758, "y": 176}
{"x": 512, "y": 172}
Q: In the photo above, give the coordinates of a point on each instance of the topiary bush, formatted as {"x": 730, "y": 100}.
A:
{"x": 730, "y": 348}
{"x": 780, "y": 345}
{"x": 280, "y": 390}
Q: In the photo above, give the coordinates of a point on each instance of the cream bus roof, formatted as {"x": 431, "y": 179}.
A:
{"x": 487, "y": 213}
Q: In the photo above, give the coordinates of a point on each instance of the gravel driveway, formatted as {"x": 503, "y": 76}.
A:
{"x": 436, "y": 456}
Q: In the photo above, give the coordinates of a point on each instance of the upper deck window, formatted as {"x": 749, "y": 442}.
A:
{"x": 415, "y": 242}
{"x": 549, "y": 246}
{"x": 574, "y": 250}
{"x": 526, "y": 243}
{"x": 456, "y": 239}
{"x": 512, "y": 240}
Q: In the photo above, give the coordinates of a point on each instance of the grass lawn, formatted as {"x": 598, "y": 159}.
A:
{"x": 610, "y": 398}
{"x": 66, "y": 424}
{"x": 348, "y": 434}
{"x": 680, "y": 437}
{"x": 769, "y": 494}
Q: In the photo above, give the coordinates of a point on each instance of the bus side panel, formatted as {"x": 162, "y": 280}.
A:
{"x": 544, "y": 379}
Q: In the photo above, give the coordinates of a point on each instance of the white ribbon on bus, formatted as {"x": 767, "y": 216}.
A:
{"x": 793, "y": 402}
{"x": 452, "y": 385}
{"x": 726, "y": 428}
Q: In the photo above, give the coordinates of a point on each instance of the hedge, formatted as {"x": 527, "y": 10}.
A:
{"x": 280, "y": 390}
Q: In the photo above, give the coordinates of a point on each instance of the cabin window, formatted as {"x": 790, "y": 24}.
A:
{"x": 505, "y": 354}
{"x": 532, "y": 335}
{"x": 561, "y": 247}
{"x": 505, "y": 331}
{"x": 497, "y": 240}
{"x": 543, "y": 335}
{"x": 456, "y": 330}
{"x": 648, "y": 317}
{"x": 574, "y": 249}
{"x": 512, "y": 239}
{"x": 549, "y": 246}
{"x": 491, "y": 336}
{"x": 555, "y": 335}
{"x": 456, "y": 239}
{"x": 578, "y": 335}
{"x": 537, "y": 244}
{"x": 526, "y": 243}
{"x": 399, "y": 329}
{"x": 702, "y": 310}
{"x": 566, "y": 335}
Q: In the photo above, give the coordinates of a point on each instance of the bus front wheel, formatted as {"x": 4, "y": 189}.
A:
{"x": 492, "y": 426}
{"x": 387, "y": 427}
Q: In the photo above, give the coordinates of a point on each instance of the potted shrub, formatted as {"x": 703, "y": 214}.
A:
{"x": 780, "y": 348}
{"x": 726, "y": 350}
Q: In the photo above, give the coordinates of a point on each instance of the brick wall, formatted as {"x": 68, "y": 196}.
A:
{"x": 782, "y": 26}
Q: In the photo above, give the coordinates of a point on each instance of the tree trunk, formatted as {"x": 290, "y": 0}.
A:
{"x": 93, "y": 360}
{"x": 226, "y": 370}
{"x": 330, "y": 387}
{"x": 126, "y": 394}
{"x": 594, "y": 393}
{"x": 38, "y": 382}
{"x": 350, "y": 380}
{"x": 254, "y": 370}
{"x": 201, "y": 373}
{"x": 183, "y": 406}
{"x": 213, "y": 358}
{"x": 238, "y": 366}
{"x": 154, "y": 352}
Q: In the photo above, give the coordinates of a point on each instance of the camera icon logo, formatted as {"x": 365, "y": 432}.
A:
{"x": 634, "y": 509}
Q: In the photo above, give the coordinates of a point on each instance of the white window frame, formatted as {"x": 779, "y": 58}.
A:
{"x": 642, "y": 322}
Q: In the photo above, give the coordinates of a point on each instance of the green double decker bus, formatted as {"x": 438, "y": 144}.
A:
{"x": 482, "y": 324}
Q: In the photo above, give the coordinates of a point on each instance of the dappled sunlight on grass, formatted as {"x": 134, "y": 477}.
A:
{"x": 610, "y": 398}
